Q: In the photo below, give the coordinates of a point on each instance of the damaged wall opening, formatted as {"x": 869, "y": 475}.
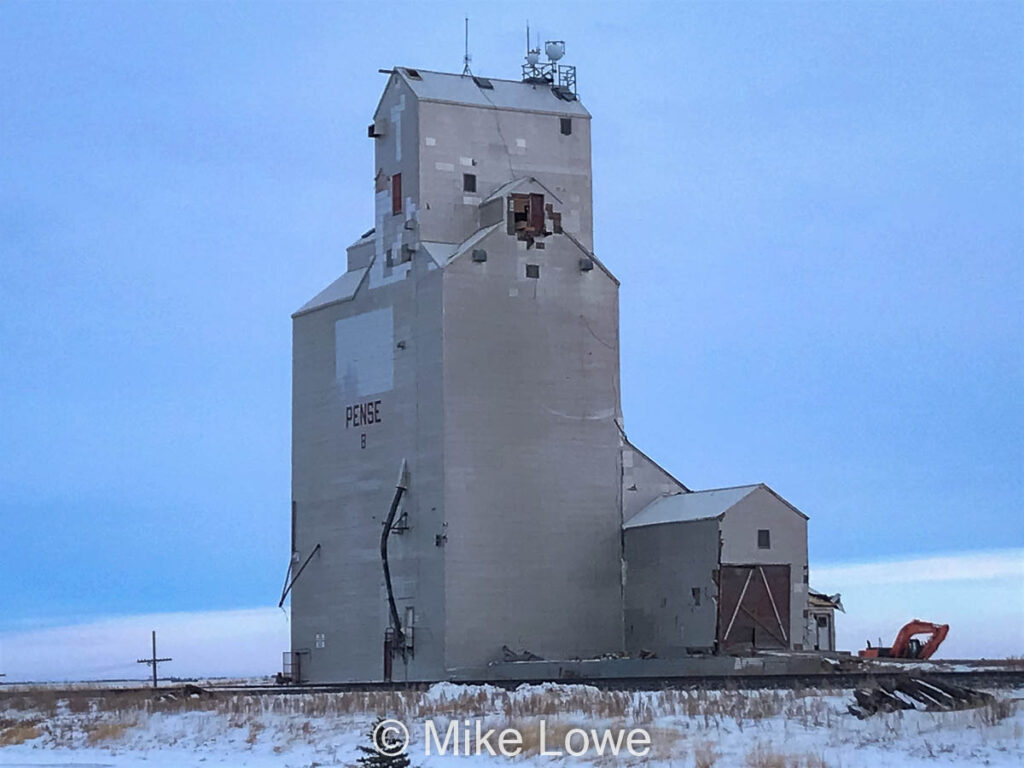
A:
{"x": 533, "y": 270}
{"x": 469, "y": 182}
{"x": 528, "y": 215}
{"x": 566, "y": 126}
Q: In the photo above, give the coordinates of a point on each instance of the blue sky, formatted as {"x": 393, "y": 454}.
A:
{"x": 815, "y": 211}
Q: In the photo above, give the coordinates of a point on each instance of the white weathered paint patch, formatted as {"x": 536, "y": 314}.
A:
{"x": 521, "y": 143}
{"x": 364, "y": 352}
{"x": 470, "y": 200}
{"x": 430, "y": 141}
{"x": 466, "y": 160}
{"x": 444, "y": 167}
{"x": 396, "y": 119}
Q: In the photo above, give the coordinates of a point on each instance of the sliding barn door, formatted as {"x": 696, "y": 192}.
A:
{"x": 753, "y": 607}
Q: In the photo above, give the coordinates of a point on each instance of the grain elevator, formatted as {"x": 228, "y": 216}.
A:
{"x": 460, "y": 474}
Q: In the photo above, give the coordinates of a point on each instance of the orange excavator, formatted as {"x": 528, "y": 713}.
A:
{"x": 907, "y": 646}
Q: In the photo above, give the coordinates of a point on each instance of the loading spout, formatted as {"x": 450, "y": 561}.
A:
{"x": 400, "y": 488}
{"x": 290, "y": 583}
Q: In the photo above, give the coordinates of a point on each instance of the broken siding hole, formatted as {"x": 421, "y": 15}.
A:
{"x": 396, "y": 194}
{"x": 533, "y": 271}
{"x": 586, "y": 264}
{"x": 526, "y": 215}
{"x": 764, "y": 539}
{"x": 469, "y": 182}
{"x": 479, "y": 255}
{"x": 413, "y": 74}
{"x": 566, "y": 126}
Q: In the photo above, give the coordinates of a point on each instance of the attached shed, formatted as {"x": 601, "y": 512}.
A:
{"x": 821, "y": 620}
{"x": 723, "y": 571}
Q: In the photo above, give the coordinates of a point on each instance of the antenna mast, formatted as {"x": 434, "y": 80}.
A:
{"x": 466, "y": 58}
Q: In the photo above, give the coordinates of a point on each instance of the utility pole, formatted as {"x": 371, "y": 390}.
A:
{"x": 154, "y": 660}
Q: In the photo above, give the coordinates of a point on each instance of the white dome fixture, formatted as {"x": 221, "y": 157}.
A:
{"x": 560, "y": 78}
{"x": 555, "y": 49}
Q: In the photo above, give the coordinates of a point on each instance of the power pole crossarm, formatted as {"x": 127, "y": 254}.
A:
{"x": 153, "y": 661}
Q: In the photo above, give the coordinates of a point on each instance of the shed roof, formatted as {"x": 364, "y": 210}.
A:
{"x": 342, "y": 289}
{"x": 686, "y": 507}
{"x": 504, "y": 94}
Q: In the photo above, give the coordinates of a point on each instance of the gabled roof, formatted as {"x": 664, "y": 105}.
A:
{"x": 698, "y": 505}
{"x": 687, "y": 507}
{"x": 504, "y": 94}
{"x": 511, "y": 186}
{"x": 473, "y": 240}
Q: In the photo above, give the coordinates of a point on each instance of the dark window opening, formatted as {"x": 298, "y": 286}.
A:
{"x": 696, "y": 595}
{"x": 413, "y": 74}
{"x": 396, "y": 194}
{"x": 823, "y": 621}
{"x": 533, "y": 270}
{"x": 469, "y": 182}
{"x": 566, "y": 126}
{"x": 764, "y": 539}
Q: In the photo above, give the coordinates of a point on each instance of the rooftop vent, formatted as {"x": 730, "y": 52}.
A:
{"x": 483, "y": 82}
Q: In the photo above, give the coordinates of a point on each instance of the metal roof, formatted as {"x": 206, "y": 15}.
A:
{"x": 505, "y": 94}
{"x": 686, "y": 507}
{"x": 508, "y": 186}
{"x": 342, "y": 289}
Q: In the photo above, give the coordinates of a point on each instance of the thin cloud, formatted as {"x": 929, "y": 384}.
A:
{"x": 233, "y": 643}
{"x": 963, "y": 566}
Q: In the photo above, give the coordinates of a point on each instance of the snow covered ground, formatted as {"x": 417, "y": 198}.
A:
{"x": 759, "y": 729}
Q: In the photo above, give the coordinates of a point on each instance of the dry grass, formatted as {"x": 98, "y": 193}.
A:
{"x": 995, "y": 712}
{"x": 538, "y": 701}
{"x": 705, "y": 755}
{"x": 763, "y": 756}
{"x": 99, "y": 733}
{"x": 18, "y": 734}
{"x": 254, "y": 732}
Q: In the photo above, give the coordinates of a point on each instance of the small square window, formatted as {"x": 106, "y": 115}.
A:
{"x": 823, "y": 621}
{"x": 764, "y": 539}
{"x": 566, "y": 126}
{"x": 319, "y": 640}
{"x": 469, "y": 182}
{"x": 533, "y": 270}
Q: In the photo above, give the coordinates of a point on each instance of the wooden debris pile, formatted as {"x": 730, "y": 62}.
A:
{"x": 920, "y": 693}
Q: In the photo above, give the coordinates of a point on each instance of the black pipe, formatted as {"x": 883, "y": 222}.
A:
{"x": 399, "y": 635}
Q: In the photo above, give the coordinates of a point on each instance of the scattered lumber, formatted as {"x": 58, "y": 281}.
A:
{"x": 919, "y": 693}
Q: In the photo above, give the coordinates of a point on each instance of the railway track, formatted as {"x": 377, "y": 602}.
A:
{"x": 824, "y": 681}
{"x": 982, "y": 678}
